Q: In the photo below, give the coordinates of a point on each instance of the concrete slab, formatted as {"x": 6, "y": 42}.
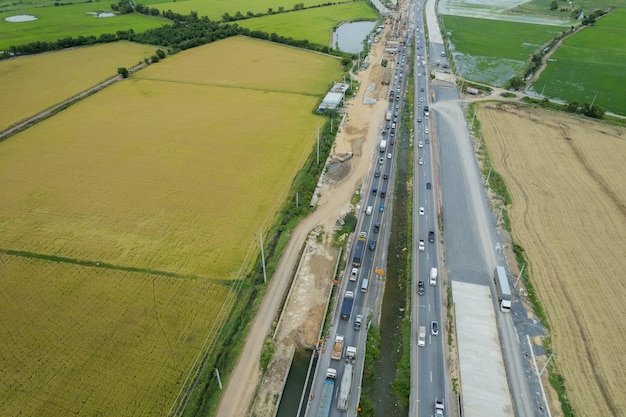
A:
{"x": 484, "y": 387}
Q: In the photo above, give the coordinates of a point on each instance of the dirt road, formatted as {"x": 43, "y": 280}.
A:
{"x": 359, "y": 136}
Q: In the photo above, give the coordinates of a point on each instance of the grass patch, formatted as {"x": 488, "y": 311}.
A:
{"x": 314, "y": 25}
{"x": 372, "y": 356}
{"x": 598, "y": 51}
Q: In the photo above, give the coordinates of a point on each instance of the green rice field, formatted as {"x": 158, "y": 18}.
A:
{"x": 590, "y": 66}
{"x": 493, "y": 51}
{"x": 68, "y": 21}
{"x": 214, "y": 9}
{"x": 314, "y": 25}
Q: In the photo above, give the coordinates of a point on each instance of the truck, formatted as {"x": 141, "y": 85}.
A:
{"x": 388, "y": 116}
{"x": 337, "y": 348}
{"x": 503, "y": 289}
{"x": 350, "y": 354}
{"x": 346, "y": 387}
{"x": 358, "y": 250}
{"x": 439, "y": 408}
{"x": 328, "y": 389}
{"x": 421, "y": 339}
{"x": 346, "y": 306}
{"x": 433, "y": 276}
{"x": 383, "y": 146}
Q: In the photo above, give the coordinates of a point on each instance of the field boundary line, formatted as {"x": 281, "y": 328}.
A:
{"x": 222, "y": 85}
{"x": 104, "y": 265}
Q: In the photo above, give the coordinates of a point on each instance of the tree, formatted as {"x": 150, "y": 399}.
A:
{"x": 554, "y": 5}
{"x": 517, "y": 83}
{"x": 160, "y": 53}
{"x": 123, "y": 72}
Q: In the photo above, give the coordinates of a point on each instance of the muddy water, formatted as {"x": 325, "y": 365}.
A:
{"x": 290, "y": 400}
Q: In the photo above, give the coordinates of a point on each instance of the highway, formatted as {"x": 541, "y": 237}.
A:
{"x": 375, "y": 227}
{"x": 427, "y": 362}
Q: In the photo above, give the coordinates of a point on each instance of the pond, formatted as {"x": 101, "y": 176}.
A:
{"x": 349, "y": 37}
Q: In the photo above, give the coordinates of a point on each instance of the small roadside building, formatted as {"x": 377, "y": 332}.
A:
{"x": 334, "y": 98}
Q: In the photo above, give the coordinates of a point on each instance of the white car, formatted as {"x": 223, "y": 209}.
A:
{"x": 389, "y": 155}
{"x": 354, "y": 274}
{"x": 426, "y": 130}
{"x": 381, "y": 161}
{"x": 421, "y": 246}
{"x": 420, "y": 161}
{"x": 421, "y": 211}
{"x": 420, "y": 144}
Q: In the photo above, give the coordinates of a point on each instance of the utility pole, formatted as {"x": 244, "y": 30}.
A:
{"x": 219, "y": 380}
{"x": 500, "y": 215}
{"x": 297, "y": 206}
{"x": 520, "y": 274}
{"x": 263, "y": 258}
{"x": 546, "y": 364}
{"x": 318, "y": 146}
{"x": 488, "y": 175}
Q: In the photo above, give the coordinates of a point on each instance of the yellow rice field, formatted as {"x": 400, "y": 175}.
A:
{"x": 94, "y": 342}
{"x": 161, "y": 171}
{"x": 31, "y": 84}
{"x": 174, "y": 169}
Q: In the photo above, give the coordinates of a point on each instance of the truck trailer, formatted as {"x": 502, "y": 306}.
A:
{"x": 346, "y": 387}
{"x": 358, "y": 250}
{"x": 346, "y": 306}
{"x": 388, "y": 115}
{"x": 383, "y": 146}
{"x": 337, "y": 348}
{"x": 503, "y": 289}
{"x": 323, "y": 410}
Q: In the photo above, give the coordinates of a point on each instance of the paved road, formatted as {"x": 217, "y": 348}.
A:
{"x": 376, "y": 228}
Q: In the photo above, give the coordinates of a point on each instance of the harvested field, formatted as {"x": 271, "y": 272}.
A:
{"x": 91, "y": 342}
{"x": 567, "y": 179}
{"x": 162, "y": 173}
{"x": 31, "y": 84}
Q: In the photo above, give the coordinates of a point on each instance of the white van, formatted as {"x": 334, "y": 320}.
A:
{"x": 364, "y": 284}
{"x": 368, "y": 211}
{"x": 433, "y": 276}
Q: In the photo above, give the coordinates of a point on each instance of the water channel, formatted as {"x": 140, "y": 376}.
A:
{"x": 349, "y": 37}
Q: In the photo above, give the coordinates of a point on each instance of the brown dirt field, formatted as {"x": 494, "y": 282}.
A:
{"x": 566, "y": 176}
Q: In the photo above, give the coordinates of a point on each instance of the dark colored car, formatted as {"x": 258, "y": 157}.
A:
{"x": 383, "y": 194}
{"x": 374, "y": 191}
{"x": 372, "y": 244}
{"x": 376, "y": 227}
{"x": 377, "y": 174}
{"x": 431, "y": 236}
{"x": 385, "y": 176}
{"x": 420, "y": 288}
{"x": 428, "y": 186}
{"x": 434, "y": 328}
